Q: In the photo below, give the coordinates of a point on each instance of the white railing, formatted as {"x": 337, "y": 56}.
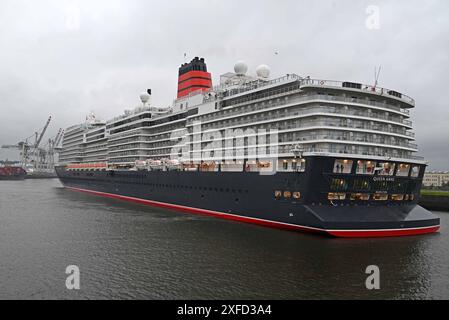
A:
{"x": 129, "y": 113}
{"x": 364, "y": 87}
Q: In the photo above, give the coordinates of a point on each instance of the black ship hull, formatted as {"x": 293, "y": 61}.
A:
{"x": 254, "y": 198}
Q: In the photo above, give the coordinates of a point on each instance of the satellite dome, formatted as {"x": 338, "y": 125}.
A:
{"x": 241, "y": 68}
{"x": 263, "y": 71}
{"x": 144, "y": 97}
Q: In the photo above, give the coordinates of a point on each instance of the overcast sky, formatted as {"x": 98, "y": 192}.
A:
{"x": 66, "y": 58}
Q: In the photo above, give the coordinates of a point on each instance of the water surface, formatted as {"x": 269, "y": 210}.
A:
{"x": 129, "y": 251}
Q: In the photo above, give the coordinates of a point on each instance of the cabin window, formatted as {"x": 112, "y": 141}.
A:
{"x": 300, "y": 165}
{"x": 380, "y": 185}
{"x": 361, "y": 184}
{"x": 386, "y": 168}
{"x": 287, "y": 194}
{"x": 403, "y": 170}
{"x": 365, "y": 167}
{"x": 412, "y": 197}
{"x": 278, "y": 194}
{"x": 397, "y": 197}
{"x": 336, "y": 196}
{"x": 285, "y": 165}
{"x": 264, "y": 165}
{"x": 232, "y": 167}
{"x": 360, "y": 196}
{"x": 342, "y": 166}
{"x": 380, "y": 196}
{"x": 415, "y": 171}
{"x": 297, "y": 195}
{"x": 398, "y": 187}
{"x": 339, "y": 184}
{"x": 294, "y": 165}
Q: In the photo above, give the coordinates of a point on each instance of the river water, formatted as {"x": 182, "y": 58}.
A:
{"x": 129, "y": 251}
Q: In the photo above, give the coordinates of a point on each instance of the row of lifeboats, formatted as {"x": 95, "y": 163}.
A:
{"x": 164, "y": 164}
{"x": 138, "y": 165}
{"x": 81, "y": 166}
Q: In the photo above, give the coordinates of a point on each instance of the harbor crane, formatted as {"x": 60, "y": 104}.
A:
{"x": 41, "y": 135}
{"x": 32, "y": 154}
{"x": 52, "y": 149}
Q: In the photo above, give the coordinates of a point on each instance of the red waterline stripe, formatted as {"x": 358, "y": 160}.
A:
{"x": 383, "y": 233}
{"x": 223, "y": 215}
{"x": 269, "y": 223}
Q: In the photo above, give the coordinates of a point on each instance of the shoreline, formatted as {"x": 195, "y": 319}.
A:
{"x": 435, "y": 200}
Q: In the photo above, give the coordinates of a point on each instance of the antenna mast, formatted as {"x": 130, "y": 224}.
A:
{"x": 377, "y": 75}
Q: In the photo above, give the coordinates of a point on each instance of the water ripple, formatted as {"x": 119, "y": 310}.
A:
{"x": 128, "y": 251}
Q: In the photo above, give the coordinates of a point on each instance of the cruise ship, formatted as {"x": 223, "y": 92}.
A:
{"x": 330, "y": 157}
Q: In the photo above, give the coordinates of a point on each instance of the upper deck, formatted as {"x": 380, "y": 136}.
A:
{"x": 232, "y": 91}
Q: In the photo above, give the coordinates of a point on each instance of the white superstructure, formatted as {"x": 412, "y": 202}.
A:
{"x": 230, "y": 120}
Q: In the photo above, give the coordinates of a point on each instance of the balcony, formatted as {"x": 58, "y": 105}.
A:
{"x": 355, "y": 140}
{"x": 275, "y": 104}
{"x": 252, "y": 120}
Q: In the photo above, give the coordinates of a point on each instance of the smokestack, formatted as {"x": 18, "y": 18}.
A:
{"x": 193, "y": 76}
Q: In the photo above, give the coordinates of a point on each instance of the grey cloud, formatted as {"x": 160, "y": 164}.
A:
{"x": 50, "y": 64}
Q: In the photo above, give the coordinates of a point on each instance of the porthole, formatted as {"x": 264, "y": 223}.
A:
{"x": 297, "y": 195}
